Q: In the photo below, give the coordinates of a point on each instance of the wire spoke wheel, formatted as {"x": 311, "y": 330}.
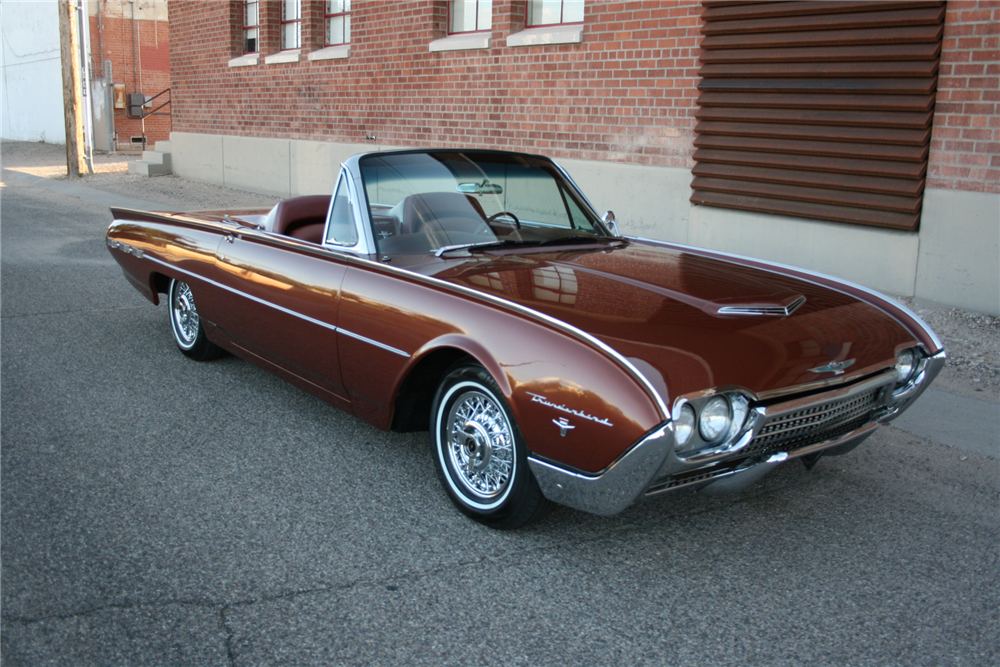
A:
{"x": 184, "y": 315}
{"x": 480, "y": 454}
{"x": 186, "y": 324}
{"x": 481, "y": 445}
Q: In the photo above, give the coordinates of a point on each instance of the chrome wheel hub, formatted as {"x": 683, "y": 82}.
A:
{"x": 478, "y": 447}
{"x": 480, "y": 444}
{"x": 185, "y": 315}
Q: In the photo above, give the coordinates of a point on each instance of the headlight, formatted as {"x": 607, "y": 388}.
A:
{"x": 905, "y": 363}
{"x": 716, "y": 418}
{"x": 684, "y": 426}
{"x": 710, "y": 425}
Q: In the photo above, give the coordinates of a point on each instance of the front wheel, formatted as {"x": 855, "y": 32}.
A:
{"x": 480, "y": 455}
{"x": 185, "y": 324}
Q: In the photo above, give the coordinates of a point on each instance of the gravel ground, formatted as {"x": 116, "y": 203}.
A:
{"x": 111, "y": 175}
{"x": 972, "y": 339}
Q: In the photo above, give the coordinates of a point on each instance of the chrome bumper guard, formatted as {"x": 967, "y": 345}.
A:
{"x": 833, "y": 422}
{"x": 617, "y": 487}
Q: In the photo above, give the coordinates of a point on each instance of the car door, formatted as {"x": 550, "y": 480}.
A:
{"x": 281, "y": 308}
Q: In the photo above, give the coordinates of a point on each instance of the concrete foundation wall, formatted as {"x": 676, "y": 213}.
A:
{"x": 954, "y": 259}
{"x": 959, "y": 262}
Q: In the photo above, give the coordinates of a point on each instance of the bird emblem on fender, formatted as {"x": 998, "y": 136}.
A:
{"x": 564, "y": 425}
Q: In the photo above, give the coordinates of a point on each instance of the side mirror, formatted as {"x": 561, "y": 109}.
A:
{"x": 609, "y": 220}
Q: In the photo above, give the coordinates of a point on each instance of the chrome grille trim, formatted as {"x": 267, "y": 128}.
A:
{"x": 819, "y": 422}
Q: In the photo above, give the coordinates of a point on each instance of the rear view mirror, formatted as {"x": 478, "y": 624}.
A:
{"x": 484, "y": 188}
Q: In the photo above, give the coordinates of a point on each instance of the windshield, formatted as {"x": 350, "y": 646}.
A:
{"x": 428, "y": 202}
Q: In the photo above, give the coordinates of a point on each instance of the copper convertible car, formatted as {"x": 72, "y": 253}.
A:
{"x": 477, "y": 294}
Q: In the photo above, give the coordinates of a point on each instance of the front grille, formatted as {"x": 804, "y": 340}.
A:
{"x": 689, "y": 477}
{"x": 787, "y": 429}
{"x": 814, "y": 424}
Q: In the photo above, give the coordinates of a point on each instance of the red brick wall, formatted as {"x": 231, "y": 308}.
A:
{"x": 965, "y": 143}
{"x": 626, "y": 93}
{"x": 111, "y": 38}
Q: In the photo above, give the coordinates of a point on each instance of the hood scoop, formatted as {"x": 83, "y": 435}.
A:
{"x": 780, "y": 307}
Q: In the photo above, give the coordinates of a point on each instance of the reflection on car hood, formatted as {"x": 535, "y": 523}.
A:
{"x": 690, "y": 322}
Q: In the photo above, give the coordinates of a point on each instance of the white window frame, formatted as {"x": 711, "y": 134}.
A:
{"x": 255, "y": 27}
{"x": 548, "y": 33}
{"x": 562, "y": 13}
{"x": 470, "y": 40}
{"x": 346, "y": 26}
{"x": 296, "y": 10}
{"x": 483, "y": 8}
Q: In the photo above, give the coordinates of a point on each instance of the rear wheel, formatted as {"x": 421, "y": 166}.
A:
{"x": 480, "y": 455}
{"x": 189, "y": 334}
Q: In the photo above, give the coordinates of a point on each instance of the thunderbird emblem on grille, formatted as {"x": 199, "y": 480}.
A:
{"x": 835, "y": 367}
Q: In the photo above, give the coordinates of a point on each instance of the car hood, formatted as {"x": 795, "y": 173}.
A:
{"x": 690, "y": 322}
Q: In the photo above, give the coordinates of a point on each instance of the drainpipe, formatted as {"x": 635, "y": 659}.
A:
{"x": 135, "y": 76}
{"x": 83, "y": 19}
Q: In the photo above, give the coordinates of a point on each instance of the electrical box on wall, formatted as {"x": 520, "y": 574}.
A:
{"x": 136, "y": 101}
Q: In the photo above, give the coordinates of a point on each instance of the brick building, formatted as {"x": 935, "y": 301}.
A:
{"x": 134, "y": 37}
{"x": 857, "y": 139}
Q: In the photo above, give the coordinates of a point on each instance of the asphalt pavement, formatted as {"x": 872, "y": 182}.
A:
{"x": 159, "y": 511}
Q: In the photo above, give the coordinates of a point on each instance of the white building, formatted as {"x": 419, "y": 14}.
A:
{"x": 31, "y": 102}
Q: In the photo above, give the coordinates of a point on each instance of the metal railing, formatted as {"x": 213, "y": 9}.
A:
{"x": 142, "y": 113}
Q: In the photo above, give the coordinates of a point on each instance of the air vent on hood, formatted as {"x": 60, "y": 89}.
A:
{"x": 780, "y": 310}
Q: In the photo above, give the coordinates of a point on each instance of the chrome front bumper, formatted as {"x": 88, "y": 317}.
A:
{"x": 833, "y": 422}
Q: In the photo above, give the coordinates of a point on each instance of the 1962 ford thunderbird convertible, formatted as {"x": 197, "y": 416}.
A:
{"x": 477, "y": 294}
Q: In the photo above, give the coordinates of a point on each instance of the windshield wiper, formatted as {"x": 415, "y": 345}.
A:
{"x": 482, "y": 245}
{"x": 507, "y": 243}
{"x": 576, "y": 239}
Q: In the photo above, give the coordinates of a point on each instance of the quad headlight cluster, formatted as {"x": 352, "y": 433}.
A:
{"x": 709, "y": 425}
{"x": 910, "y": 364}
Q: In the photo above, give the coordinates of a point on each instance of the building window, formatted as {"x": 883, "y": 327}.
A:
{"x": 291, "y": 24}
{"x": 338, "y": 22}
{"x": 470, "y": 16}
{"x": 554, "y": 12}
{"x": 251, "y": 26}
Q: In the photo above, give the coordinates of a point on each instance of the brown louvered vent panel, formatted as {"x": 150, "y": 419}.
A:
{"x": 817, "y": 109}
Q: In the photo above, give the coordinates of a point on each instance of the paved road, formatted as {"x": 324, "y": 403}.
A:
{"x": 158, "y": 511}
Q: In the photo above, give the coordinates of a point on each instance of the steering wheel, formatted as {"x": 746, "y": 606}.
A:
{"x": 517, "y": 223}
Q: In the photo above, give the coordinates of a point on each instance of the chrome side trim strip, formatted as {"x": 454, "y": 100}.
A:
{"x": 251, "y": 297}
{"x": 264, "y": 302}
{"x": 383, "y": 346}
{"x": 876, "y": 296}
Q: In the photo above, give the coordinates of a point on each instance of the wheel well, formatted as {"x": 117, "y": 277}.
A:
{"x": 160, "y": 283}
{"x": 413, "y": 402}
